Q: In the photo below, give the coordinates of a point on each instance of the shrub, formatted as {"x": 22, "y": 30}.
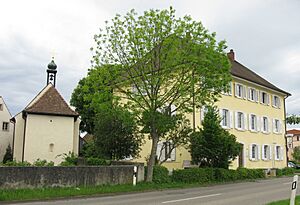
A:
{"x": 97, "y": 161}
{"x": 243, "y": 173}
{"x": 8, "y": 156}
{"x": 70, "y": 159}
{"x": 160, "y": 174}
{"x": 285, "y": 171}
{"x": 17, "y": 164}
{"x": 43, "y": 163}
{"x": 224, "y": 175}
{"x": 193, "y": 175}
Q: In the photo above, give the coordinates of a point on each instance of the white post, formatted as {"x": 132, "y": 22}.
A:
{"x": 294, "y": 189}
{"x": 134, "y": 175}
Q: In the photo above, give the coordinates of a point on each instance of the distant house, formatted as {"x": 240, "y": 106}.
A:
{"x": 293, "y": 140}
{"x": 6, "y": 129}
{"x": 47, "y": 127}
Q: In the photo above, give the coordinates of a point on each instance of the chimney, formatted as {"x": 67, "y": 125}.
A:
{"x": 231, "y": 55}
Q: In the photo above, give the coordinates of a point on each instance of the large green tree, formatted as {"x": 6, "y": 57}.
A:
{"x": 167, "y": 61}
{"x": 213, "y": 146}
{"x": 116, "y": 134}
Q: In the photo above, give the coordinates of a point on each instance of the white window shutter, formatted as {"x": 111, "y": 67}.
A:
{"x": 236, "y": 119}
{"x": 231, "y": 119}
{"x": 173, "y": 154}
{"x": 268, "y": 99}
{"x": 230, "y": 89}
{"x": 261, "y": 96}
{"x": 274, "y": 127}
{"x": 250, "y": 152}
{"x": 280, "y": 126}
{"x": 221, "y": 116}
{"x": 258, "y": 152}
{"x": 258, "y": 124}
{"x": 236, "y": 90}
{"x": 245, "y": 92}
{"x": 273, "y": 100}
{"x": 249, "y": 121}
{"x": 159, "y": 146}
{"x": 281, "y": 153}
{"x": 245, "y": 122}
{"x": 263, "y": 152}
{"x": 173, "y": 108}
{"x": 201, "y": 114}
{"x": 271, "y": 153}
{"x": 257, "y": 96}
{"x": 279, "y": 102}
{"x": 249, "y": 94}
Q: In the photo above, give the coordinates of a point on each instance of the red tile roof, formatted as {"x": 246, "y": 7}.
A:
{"x": 293, "y": 131}
{"x": 50, "y": 102}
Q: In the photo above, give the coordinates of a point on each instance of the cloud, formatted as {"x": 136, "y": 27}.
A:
{"x": 264, "y": 34}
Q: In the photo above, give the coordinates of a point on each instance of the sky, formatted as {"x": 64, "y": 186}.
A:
{"x": 265, "y": 36}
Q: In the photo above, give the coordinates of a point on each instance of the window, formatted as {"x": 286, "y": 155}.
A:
{"x": 239, "y": 90}
{"x": 240, "y": 120}
{"x": 276, "y": 125}
{"x": 298, "y": 138}
{"x": 252, "y": 95}
{"x": 166, "y": 151}
{"x": 1, "y": 107}
{"x": 264, "y": 98}
{"x": 266, "y": 152}
{"x": 5, "y": 126}
{"x": 228, "y": 91}
{"x": 51, "y": 147}
{"x": 276, "y": 101}
{"x": 203, "y": 112}
{"x": 265, "y": 124}
{"x": 253, "y": 122}
{"x": 253, "y": 155}
{"x": 225, "y": 118}
{"x": 278, "y": 152}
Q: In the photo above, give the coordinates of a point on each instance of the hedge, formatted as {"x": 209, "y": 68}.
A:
{"x": 206, "y": 175}
{"x": 160, "y": 174}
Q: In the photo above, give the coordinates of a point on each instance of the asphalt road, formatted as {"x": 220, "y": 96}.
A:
{"x": 247, "y": 193}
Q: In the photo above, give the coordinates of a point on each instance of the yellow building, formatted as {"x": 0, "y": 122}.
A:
{"x": 47, "y": 127}
{"x": 254, "y": 111}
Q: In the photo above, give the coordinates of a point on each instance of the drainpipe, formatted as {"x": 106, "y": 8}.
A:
{"x": 286, "y": 145}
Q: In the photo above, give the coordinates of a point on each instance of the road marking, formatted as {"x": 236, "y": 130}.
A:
{"x": 287, "y": 183}
{"x": 186, "y": 199}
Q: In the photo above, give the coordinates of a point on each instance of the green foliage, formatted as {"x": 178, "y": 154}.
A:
{"x": 285, "y": 171}
{"x": 97, "y": 161}
{"x": 8, "y": 156}
{"x": 207, "y": 175}
{"x": 116, "y": 134}
{"x": 167, "y": 60}
{"x": 17, "y": 164}
{"x": 89, "y": 150}
{"x": 160, "y": 174}
{"x": 194, "y": 175}
{"x": 70, "y": 159}
{"x": 93, "y": 93}
{"x": 296, "y": 154}
{"x": 293, "y": 119}
{"x": 43, "y": 163}
{"x": 213, "y": 146}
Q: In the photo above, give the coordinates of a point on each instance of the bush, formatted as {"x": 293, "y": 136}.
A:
{"x": 97, "y": 161}
{"x": 193, "y": 175}
{"x": 160, "y": 174}
{"x": 43, "y": 163}
{"x": 8, "y": 156}
{"x": 224, "y": 175}
{"x": 285, "y": 171}
{"x": 70, "y": 159}
{"x": 17, "y": 164}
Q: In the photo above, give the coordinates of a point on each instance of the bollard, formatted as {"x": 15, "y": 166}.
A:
{"x": 134, "y": 175}
{"x": 294, "y": 189}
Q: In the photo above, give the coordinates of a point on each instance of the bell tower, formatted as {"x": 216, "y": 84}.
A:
{"x": 51, "y": 72}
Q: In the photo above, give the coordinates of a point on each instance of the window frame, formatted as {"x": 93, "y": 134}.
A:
{"x": 5, "y": 126}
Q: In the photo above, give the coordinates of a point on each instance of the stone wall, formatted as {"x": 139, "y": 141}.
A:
{"x": 36, "y": 177}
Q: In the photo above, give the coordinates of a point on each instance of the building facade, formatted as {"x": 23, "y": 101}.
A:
{"x": 47, "y": 128}
{"x": 254, "y": 111}
{"x": 6, "y": 129}
{"x": 293, "y": 140}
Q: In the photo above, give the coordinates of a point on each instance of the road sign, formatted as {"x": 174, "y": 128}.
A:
{"x": 294, "y": 189}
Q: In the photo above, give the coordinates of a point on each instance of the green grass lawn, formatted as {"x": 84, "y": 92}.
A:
{"x": 55, "y": 193}
{"x": 285, "y": 202}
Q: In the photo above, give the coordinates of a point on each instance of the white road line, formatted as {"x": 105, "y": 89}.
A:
{"x": 288, "y": 183}
{"x": 186, "y": 199}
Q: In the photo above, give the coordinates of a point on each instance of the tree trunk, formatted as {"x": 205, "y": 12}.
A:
{"x": 151, "y": 161}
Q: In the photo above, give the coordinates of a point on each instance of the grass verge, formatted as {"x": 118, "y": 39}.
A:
{"x": 56, "y": 193}
{"x": 285, "y": 202}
